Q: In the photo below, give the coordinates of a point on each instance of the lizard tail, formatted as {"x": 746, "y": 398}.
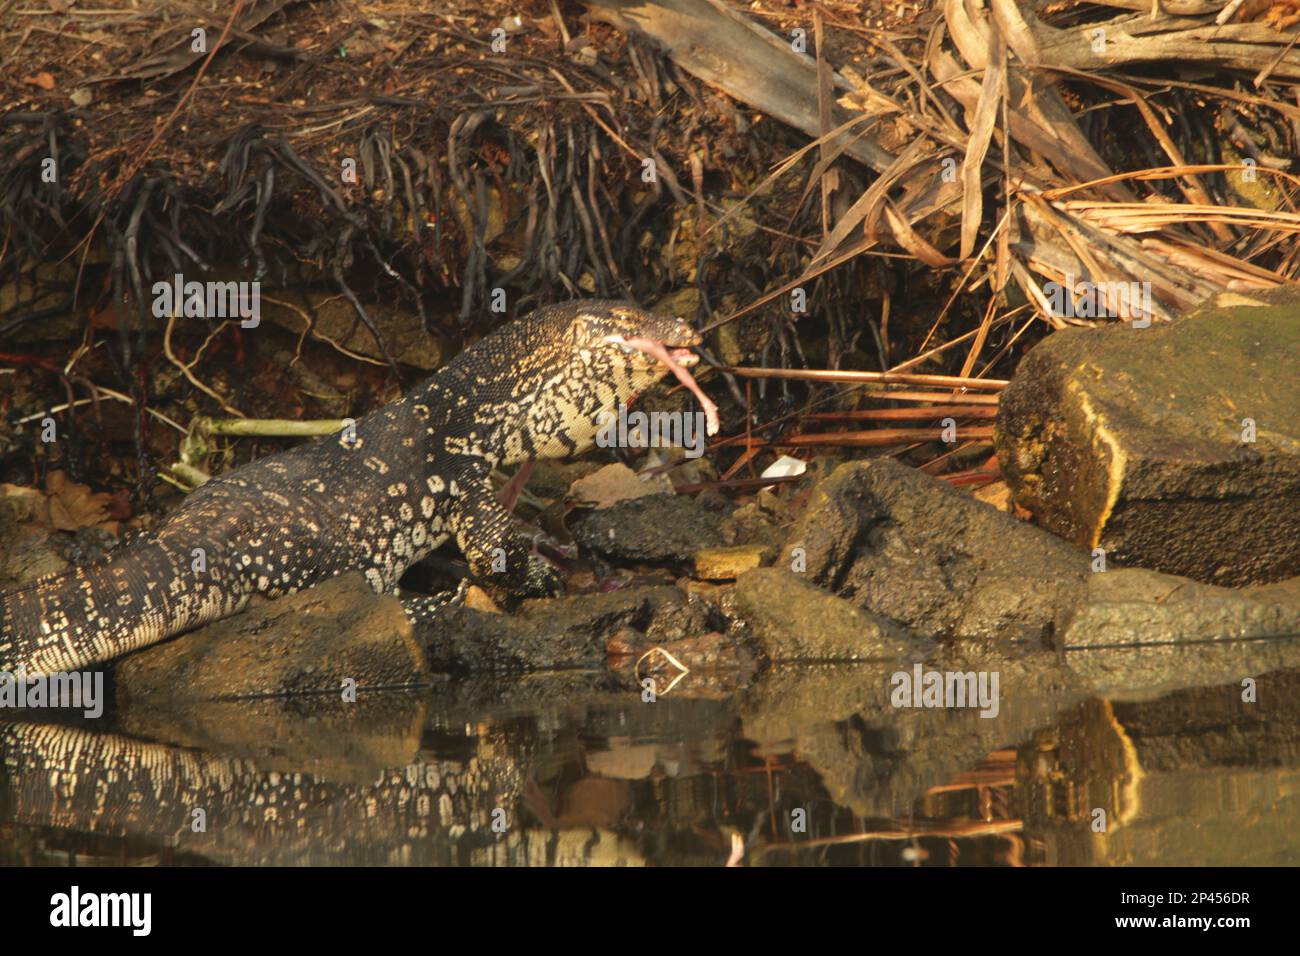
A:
{"x": 95, "y": 613}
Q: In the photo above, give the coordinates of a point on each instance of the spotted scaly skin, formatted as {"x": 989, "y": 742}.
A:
{"x": 376, "y": 498}
{"x": 429, "y": 811}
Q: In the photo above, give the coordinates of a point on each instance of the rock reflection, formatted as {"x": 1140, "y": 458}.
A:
{"x": 807, "y": 765}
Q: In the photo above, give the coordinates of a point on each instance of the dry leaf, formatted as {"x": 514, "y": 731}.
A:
{"x": 44, "y": 80}
{"x": 74, "y": 506}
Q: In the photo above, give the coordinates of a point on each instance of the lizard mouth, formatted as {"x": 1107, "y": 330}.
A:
{"x": 678, "y": 360}
{"x": 683, "y": 357}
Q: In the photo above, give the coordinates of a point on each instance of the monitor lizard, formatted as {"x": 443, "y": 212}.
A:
{"x": 376, "y": 497}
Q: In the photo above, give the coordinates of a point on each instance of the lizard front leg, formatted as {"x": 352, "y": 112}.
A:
{"x": 424, "y": 608}
{"x": 500, "y": 558}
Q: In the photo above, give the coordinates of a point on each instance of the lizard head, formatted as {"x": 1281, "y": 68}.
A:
{"x": 644, "y": 346}
{"x": 617, "y": 328}
{"x": 564, "y": 368}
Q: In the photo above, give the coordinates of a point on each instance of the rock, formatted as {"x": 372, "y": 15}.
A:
{"x": 551, "y": 478}
{"x": 793, "y": 620}
{"x": 545, "y": 634}
{"x": 687, "y": 472}
{"x": 759, "y": 522}
{"x": 1138, "y": 440}
{"x": 335, "y": 320}
{"x": 1134, "y": 606}
{"x": 310, "y": 642}
{"x": 725, "y": 564}
{"x": 479, "y": 600}
{"x": 710, "y": 665}
{"x": 306, "y": 642}
{"x": 684, "y": 618}
{"x": 898, "y": 543}
{"x": 653, "y": 529}
{"x": 905, "y": 546}
{"x": 28, "y": 549}
{"x": 1137, "y": 628}
{"x": 705, "y": 589}
{"x": 996, "y": 495}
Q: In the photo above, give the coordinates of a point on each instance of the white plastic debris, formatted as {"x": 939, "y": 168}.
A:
{"x": 784, "y": 467}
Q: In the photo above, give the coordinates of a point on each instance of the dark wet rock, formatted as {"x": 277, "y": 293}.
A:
{"x": 1152, "y": 668}
{"x": 84, "y": 545}
{"x": 764, "y": 521}
{"x": 816, "y": 470}
{"x": 689, "y": 471}
{"x": 1135, "y": 628}
{"x": 654, "y": 529}
{"x": 564, "y": 632}
{"x": 682, "y": 616}
{"x": 1134, "y": 606}
{"x": 1132, "y": 440}
{"x": 307, "y": 642}
{"x": 898, "y": 543}
{"x": 793, "y": 620}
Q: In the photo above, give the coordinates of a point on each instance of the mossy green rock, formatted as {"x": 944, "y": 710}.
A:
{"x": 1174, "y": 447}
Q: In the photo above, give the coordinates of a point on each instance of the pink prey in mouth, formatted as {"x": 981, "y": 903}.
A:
{"x": 678, "y": 361}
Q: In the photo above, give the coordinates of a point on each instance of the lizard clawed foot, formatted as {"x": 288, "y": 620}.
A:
{"x": 542, "y": 579}
{"x": 424, "y": 608}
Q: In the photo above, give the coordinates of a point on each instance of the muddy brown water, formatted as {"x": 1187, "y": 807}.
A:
{"x": 806, "y": 765}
